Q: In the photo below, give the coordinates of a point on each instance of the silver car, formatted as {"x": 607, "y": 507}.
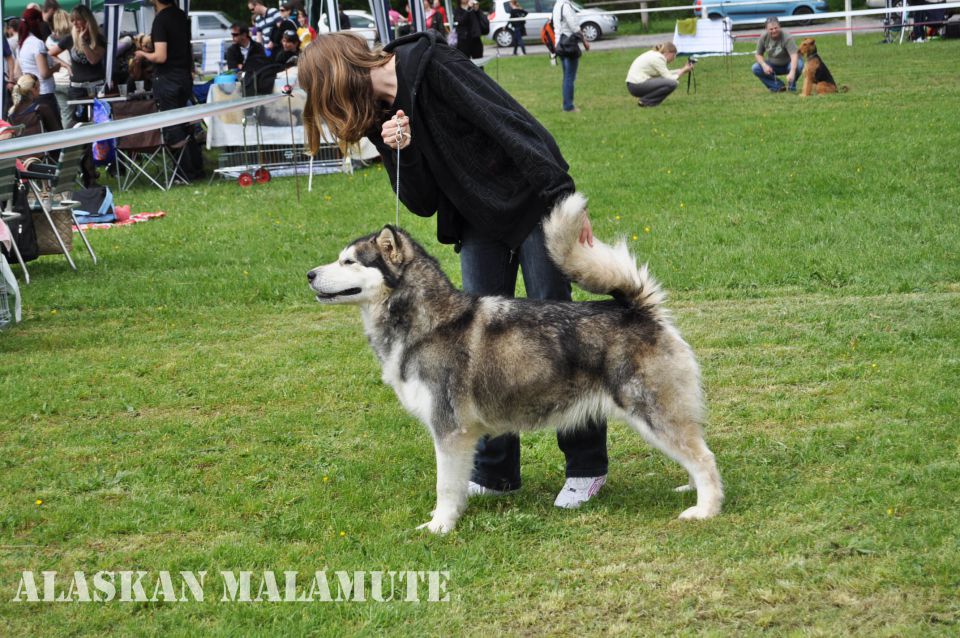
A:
{"x": 593, "y": 23}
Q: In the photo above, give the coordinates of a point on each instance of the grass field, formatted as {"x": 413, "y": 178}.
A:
{"x": 187, "y": 406}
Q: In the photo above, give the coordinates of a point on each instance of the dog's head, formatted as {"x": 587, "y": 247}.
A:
{"x": 808, "y": 47}
{"x": 143, "y": 42}
{"x": 367, "y": 270}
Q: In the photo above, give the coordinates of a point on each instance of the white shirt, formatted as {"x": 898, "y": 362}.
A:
{"x": 29, "y": 50}
{"x": 564, "y": 19}
{"x": 651, "y": 64}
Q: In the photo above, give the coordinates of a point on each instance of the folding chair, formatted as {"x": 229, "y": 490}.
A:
{"x": 10, "y": 177}
{"x": 141, "y": 155}
{"x": 58, "y": 179}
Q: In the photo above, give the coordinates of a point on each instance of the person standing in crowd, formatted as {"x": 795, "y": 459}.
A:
{"x": 11, "y": 27}
{"x": 61, "y": 79}
{"x": 263, "y": 19}
{"x": 518, "y": 26}
{"x": 172, "y": 59}
{"x": 649, "y": 80}
{"x": 305, "y": 31}
{"x": 244, "y": 53}
{"x": 469, "y": 28}
{"x": 777, "y": 54}
{"x": 442, "y": 21}
{"x": 50, "y": 7}
{"x": 290, "y": 44}
{"x": 472, "y": 155}
{"x": 35, "y": 59}
{"x": 565, "y": 24}
{"x": 285, "y": 21}
{"x": 9, "y": 71}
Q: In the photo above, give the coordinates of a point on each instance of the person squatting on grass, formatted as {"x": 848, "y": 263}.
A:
{"x": 777, "y": 55}
{"x": 649, "y": 80}
{"x": 470, "y": 153}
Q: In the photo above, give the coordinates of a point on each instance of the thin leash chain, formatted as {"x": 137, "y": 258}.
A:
{"x": 399, "y": 144}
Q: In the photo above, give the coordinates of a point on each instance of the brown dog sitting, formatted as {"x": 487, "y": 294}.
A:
{"x": 816, "y": 75}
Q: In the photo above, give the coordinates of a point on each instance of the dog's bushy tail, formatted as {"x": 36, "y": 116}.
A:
{"x": 600, "y": 269}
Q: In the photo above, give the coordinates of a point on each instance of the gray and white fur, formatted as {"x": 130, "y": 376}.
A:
{"x": 472, "y": 366}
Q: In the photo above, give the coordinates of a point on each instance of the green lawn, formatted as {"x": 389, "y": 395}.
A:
{"x": 187, "y": 406}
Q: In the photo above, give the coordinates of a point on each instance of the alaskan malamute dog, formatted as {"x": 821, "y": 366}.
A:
{"x": 469, "y": 366}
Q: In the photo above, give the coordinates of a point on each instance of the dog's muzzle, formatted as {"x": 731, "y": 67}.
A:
{"x": 327, "y": 296}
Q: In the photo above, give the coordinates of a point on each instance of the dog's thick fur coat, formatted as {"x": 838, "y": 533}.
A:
{"x": 469, "y": 367}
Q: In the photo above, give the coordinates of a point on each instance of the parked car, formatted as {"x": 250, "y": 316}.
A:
{"x": 361, "y": 23}
{"x": 204, "y": 25}
{"x": 210, "y": 25}
{"x": 593, "y": 23}
{"x": 741, "y": 10}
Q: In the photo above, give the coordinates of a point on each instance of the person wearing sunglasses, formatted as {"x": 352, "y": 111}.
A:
{"x": 244, "y": 52}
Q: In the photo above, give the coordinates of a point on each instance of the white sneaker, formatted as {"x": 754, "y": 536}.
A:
{"x": 577, "y": 491}
{"x": 475, "y": 489}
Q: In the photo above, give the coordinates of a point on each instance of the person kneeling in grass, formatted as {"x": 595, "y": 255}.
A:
{"x": 649, "y": 80}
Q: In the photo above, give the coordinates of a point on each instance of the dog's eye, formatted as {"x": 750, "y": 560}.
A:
{"x": 348, "y": 262}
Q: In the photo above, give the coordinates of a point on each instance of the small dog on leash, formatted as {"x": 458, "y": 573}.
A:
{"x": 473, "y": 366}
{"x": 816, "y": 75}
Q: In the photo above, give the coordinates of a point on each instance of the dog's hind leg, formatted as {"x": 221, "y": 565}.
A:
{"x": 455, "y": 451}
{"x": 681, "y": 439}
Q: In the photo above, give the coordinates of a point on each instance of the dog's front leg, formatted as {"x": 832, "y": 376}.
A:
{"x": 455, "y": 451}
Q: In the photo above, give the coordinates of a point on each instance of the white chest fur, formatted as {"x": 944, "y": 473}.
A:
{"x": 414, "y": 394}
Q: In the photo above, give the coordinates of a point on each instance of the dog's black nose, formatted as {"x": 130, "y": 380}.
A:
{"x": 311, "y": 276}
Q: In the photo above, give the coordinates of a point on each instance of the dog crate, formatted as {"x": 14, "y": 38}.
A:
{"x": 280, "y": 160}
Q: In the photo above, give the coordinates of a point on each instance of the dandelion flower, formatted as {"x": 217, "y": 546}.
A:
{"x": 342, "y": 534}
{"x": 646, "y": 229}
{"x": 39, "y": 501}
{"x": 635, "y": 238}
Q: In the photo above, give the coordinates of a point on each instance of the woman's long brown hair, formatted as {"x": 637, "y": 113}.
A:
{"x": 334, "y": 70}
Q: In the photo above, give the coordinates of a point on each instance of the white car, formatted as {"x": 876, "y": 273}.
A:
{"x": 593, "y": 23}
{"x": 210, "y": 25}
{"x": 361, "y": 23}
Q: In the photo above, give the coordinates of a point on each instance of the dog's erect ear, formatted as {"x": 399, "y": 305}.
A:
{"x": 389, "y": 243}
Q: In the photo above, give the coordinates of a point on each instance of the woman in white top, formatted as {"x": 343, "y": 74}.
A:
{"x": 649, "y": 80}
{"x": 34, "y": 58}
{"x": 565, "y": 23}
{"x": 61, "y": 29}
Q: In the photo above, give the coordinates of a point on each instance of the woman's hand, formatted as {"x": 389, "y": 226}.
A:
{"x": 396, "y": 131}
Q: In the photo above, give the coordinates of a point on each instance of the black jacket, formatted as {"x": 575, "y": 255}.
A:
{"x": 256, "y": 56}
{"x": 477, "y": 156}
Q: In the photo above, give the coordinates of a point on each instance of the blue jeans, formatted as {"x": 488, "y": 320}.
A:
{"x": 518, "y": 39}
{"x": 489, "y": 267}
{"x": 569, "y": 78}
{"x": 772, "y": 82}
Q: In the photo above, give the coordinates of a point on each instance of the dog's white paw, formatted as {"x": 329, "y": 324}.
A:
{"x": 684, "y": 488}
{"x": 698, "y": 513}
{"x": 438, "y": 526}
